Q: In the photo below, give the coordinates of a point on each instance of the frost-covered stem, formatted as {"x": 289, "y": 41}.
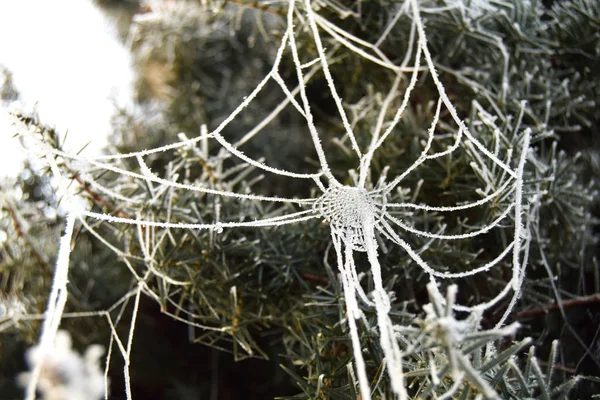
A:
{"x": 392, "y": 24}
{"x": 108, "y": 357}
{"x": 338, "y": 101}
{"x": 516, "y": 279}
{"x": 366, "y": 160}
{"x": 473, "y": 375}
{"x": 465, "y": 206}
{"x": 518, "y": 265}
{"x": 290, "y": 97}
{"x": 423, "y": 156}
{"x": 352, "y": 312}
{"x": 168, "y": 183}
{"x": 388, "y": 232}
{"x": 442, "y": 92}
{"x": 387, "y": 339}
{"x": 390, "y": 97}
{"x": 56, "y": 305}
{"x": 275, "y": 221}
{"x": 308, "y": 114}
{"x": 136, "y": 305}
{"x": 346, "y": 39}
{"x": 363, "y": 381}
{"x": 485, "y": 229}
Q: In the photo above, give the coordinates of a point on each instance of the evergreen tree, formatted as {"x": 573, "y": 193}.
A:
{"x": 319, "y": 199}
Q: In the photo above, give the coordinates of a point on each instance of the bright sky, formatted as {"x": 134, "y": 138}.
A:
{"x": 67, "y": 61}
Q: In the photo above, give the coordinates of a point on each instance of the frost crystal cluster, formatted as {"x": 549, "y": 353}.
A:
{"x": 64, "y": 373}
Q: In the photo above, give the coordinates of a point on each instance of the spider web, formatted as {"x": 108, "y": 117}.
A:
{"x": 361, "y": 217}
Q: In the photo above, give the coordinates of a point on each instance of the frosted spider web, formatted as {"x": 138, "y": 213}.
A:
{"x": 357, "y": 215}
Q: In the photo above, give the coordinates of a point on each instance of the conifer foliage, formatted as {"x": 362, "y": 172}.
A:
{"x": 380, "y": 199}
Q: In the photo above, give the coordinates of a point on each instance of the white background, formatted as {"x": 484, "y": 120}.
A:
{"x": 68, "y": 63}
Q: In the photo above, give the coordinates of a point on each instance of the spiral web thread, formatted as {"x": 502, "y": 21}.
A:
{"x": 356, "y": 215}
